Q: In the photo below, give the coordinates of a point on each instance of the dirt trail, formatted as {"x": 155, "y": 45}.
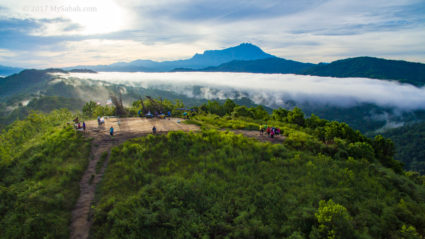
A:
{"x": 125, "y": 129}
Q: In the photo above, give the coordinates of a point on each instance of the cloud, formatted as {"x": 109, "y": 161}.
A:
{"x": 275, "y": 89}
{"x": 303, "y": 30}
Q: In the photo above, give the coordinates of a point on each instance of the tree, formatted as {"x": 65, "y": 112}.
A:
{"x": 89, "y": 108}
{"x": 334, "y": 221}
{"x": 280, "y": 114}
{"x": 361, "y": 150}
{"x": 242, "y": 111}
{"x": 259, "y": 112}
{"x": 228, "y": 106}
{"x": 296, "y": 116}
{"x": 409, "y": 232}
{"x": 384, "y": 152}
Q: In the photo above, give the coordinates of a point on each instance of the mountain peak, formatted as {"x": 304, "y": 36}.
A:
{"x": 244, "y": 51}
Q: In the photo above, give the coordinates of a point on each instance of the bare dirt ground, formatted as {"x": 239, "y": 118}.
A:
{"x": 124, "y": 129}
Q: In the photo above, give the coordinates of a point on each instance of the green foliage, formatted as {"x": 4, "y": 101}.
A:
{"x": 101, "y": 161}
{"x": 409, "y": 232}
{"x": 410, "y": 146}
{"x": 215, "y": 121}
{"x": 334, "y": 221}
{"x": 384, "y": 151}
{"x": 230, "y": 108}
{"x": 370, "y": 67}
{"x": 43, "y": 104}
{"x": 296, "y": 116}
{"x": 92, "y": 110}
{"x": 216, "y": 185}
{"x": 41, "y": 163}
{"x": 242, "y": 111}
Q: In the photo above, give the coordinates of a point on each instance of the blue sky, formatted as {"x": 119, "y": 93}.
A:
{"x": 42, "y": 33}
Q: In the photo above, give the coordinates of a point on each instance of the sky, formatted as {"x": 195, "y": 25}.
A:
{"x": 59, "y": 33}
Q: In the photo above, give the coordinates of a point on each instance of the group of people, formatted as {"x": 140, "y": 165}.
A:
{"x": 78, "y": 125}
{"x": 271, "y": 131}
{"x": 100, "y": 120}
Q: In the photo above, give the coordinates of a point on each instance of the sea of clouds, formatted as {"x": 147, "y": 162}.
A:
{"x": 273, "y": 89}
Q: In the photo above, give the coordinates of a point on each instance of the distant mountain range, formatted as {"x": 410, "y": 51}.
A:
{"x": 268, "y": 65}
{"x": 244, "y": 51}
{"x": 8, "y": 70}
{"x": 247, "y": 57}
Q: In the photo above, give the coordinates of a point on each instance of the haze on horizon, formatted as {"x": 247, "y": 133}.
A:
{"x": 42, "y": 33}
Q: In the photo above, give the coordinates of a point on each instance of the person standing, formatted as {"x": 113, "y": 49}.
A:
{"x": 111, "y": 131}
{"x": 154, "y": 130}
{"x": 84, "y": 126}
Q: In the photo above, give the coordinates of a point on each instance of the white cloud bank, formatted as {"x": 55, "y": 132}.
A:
{"x": 274, "y": 89}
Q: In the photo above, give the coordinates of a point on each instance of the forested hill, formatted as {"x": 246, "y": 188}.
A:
{"x": 269, "y": 65}
{"x": 318, "y": 179}
{"x": 410, "y": 142}
{"x": 25, "y": 81}
{"x": 370, "y": 67}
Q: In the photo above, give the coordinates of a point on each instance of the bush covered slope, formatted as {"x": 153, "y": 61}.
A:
{"x": 410, "y": 145}
{"x": 41, "y": 163}
{"x": 325, "y": 181}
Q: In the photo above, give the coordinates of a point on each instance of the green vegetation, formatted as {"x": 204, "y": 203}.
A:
{"x": 370, "y": 67}
{"x": 217, "y": 184}
{"x": 101, "y": 162}
{"x": 43, "y": 104}
{"x": 268, "y": 65}
{"x": 325, "y": 181}
{"x": 41, "y": 163}
{"x": 410, "y": 146}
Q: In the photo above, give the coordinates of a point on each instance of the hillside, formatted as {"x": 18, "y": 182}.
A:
{"x": 269, "y": 65}
{"x": 41, "y": 163}
{"x": 43, "y": 104}
{"x": 325, "y": 179}
{"x": 370, "y": 67}
{"x": 218, "y": 184}
{"x": 25, "y": 81}
{"x": 410, "y": 145}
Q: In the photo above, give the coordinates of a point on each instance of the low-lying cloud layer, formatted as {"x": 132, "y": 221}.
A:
{"x": 274, "y": 89}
